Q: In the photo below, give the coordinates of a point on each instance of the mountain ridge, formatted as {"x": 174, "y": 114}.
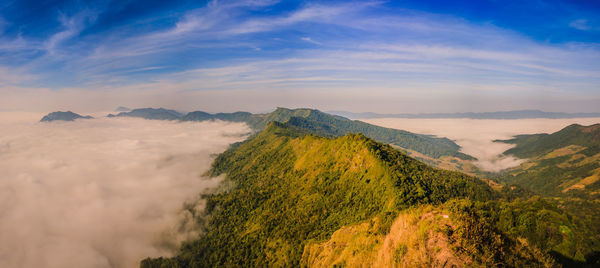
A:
{"x": 150, "y": 113}
{"x": 334, "y": 125}
{"x": 514, "y": 114}
{"x": 535, "y": 144}
{"x": 289, "y": 193}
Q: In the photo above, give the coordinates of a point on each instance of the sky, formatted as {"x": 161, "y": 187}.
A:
{"x": 255, "y": 55}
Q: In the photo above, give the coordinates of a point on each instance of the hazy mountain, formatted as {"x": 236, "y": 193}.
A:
{"x": 519, "y": 114}
{"x": 333, "y": 125}
{"x": 63, "y": 116}
{"x": 232, "y": 117}
{"x": 294, "y": 199}
{"x": 122, "y": 109}
{"x": 151, "y": 113}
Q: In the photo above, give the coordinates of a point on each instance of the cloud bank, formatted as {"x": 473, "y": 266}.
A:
{"x": 100, "y": 192}
{"x": 476, "y": 136}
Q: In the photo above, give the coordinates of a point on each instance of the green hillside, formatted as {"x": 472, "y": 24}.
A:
{"x": 564, "y": 166}
{"x": 332, "y": 125}
{"x": 539, "y": 144}
{"x": 288, "y": 194}
{"x": 564, "y": 163}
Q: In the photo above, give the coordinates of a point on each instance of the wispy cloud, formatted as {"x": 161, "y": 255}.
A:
{"x": 580, "y": 24}
{"x": 309, "y": 40}
{"x": 241, "y": 45}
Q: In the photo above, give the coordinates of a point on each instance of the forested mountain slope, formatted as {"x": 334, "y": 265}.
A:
{"x": 289, "y": 194}
{"x": 566, "y": 162}
{"x": 539, "y": 144}
{"x": 564, "y": 166}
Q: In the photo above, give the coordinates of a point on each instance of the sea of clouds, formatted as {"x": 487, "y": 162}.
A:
{"x": 476, "y": 136}
{"x": 103, "y": 192}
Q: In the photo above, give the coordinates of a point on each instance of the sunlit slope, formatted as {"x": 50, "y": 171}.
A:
{"x": 540, "y": 144}
{"x": 287, "y": 193}
{"x": 564, "y": 162}
{"x": 450, "y": 235}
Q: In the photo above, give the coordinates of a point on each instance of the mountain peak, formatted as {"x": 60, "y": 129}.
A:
{"x": 63, "y": 116}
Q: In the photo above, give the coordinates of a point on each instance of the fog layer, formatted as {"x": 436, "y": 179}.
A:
{"x": 476, "y": 136}
{"x": 100, "y": 192}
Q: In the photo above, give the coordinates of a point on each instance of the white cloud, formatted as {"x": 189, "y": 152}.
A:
{"x": 476, "y": 136}
{"x": 101, "y": 192}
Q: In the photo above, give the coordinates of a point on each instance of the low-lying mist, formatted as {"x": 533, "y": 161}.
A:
{"x": 100, "y": 192}
{"x": 476, "y": 136}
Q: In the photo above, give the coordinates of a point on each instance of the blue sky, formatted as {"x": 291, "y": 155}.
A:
{"x": 381, "y": 56}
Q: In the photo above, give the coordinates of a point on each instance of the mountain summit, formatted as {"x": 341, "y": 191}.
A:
{"x": 63, "y": 116}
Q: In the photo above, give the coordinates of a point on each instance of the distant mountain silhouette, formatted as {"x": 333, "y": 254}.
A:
{"x": 519, "y": 114}
{"x": 63, "y": 116}
{"x": 122, "y": 109}
{"x": 151, "y": 113}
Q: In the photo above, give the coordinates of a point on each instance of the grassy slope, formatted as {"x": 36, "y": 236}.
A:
{"x": 292, "y": 189}
{"x": 539, "y": 144}
{"x": 565, "y": 164}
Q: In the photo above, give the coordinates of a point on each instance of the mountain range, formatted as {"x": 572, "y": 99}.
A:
{"x": 322, "y": 123}
{"x": 313, "y": 189}
{"x": 519, "y": 114}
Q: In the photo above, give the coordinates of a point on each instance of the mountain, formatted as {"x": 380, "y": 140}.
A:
{"x": 565, "y": 167}
{"x": 63, "y": 116}
{"x": 332, "y": 125}
{"x": 425, "y": 147}
{"x": 537, "y": 144}
{"x": 564, "y": 162}
{"x": 151, "y": 113}
{"x": 231, "y": 117}
{"x": 122, "y": 109}
{"x": 291, "y": 198}
{"x": 519, "y": 114}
